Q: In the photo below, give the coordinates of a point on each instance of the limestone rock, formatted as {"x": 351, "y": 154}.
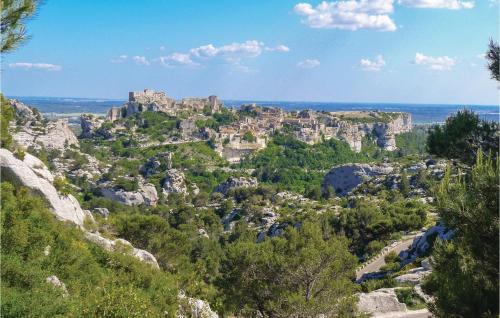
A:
{"x": 235, "y": 183}
{"x": 174, "y": 182}
{"x": 422, "y": 243}
{"x": 54, "y": 135}
{"x": 24, "y": 114}
{"x": 102, "y": 211}
{"x": 91, "y": 125}
{"x": 346, "y": 178}
{"x": 116, "y": 246}
{"x": 130, "y": 198}
{"x": 149, "y": 194}
{"x": 54, "y": 280}
{"x": 380, "y": 301}
{"x": 65, "y": 208}
{"x": 414, "y": 276}
{"x": 194, "y": 308}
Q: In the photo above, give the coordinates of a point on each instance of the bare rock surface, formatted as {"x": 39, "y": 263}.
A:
{"x": 174, "y": 182}
{"x": 65, "y": 208}
{"x": 235, "y": 183}
{"x": 382, "y": 300}
{"x": 346, "y": 178}
{"x": 193, "y": 307}
{"x": 54, "y": 280}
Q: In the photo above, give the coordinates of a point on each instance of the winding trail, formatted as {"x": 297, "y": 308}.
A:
{"x": 378, "y": 262}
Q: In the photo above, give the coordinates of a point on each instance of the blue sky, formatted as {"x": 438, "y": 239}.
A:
{"x": 418, "y": 51}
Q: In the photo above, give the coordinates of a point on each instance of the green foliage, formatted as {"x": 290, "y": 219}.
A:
{"x": 248, "y": 136}
{"x": 15, "y": 13}
{"x": 392, "y": 257}
{"x": 299, "y": 274}
{"x": 295, "y": 165}
{"x": 7, "y": 114}
{"x": 413, "y": 142}
{"x": 367, "y": 222}
{"x": 408, "y": 296}
{"x": 462, "y": 136}
{"x": 99, "y": 284}
{"x": 465, "y": 276}
{"x": 493, "y": 57}
{"x": 405, "y": 184}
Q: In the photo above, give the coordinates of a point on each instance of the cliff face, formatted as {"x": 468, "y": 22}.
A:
{"x": 384, "y": 132}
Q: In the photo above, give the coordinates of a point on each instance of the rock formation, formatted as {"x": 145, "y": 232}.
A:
{"x": 32, "y": 174}
{"x": 54, "y": 281}
{"x": 91, "y": 126}
{"x": 235, "y": 183}
{"x": 346, "y": 178}
{"x": 382, "y": 300}
{"x": 146, "y": 194}
{"x": 194, "y": 308}
{"x": 174, "y": 182}
{"x": 122, "y": 246}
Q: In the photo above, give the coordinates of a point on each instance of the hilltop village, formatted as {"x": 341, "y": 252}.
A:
{"x": 251, "y": 130}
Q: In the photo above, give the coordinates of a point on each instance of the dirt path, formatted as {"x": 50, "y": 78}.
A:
{"x": 377, "y": 263}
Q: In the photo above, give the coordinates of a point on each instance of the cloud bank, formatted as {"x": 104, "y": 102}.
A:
{"x": 372, "y": 65}
{"x": 441, "y": 63}
{"x": 36, "y": 66}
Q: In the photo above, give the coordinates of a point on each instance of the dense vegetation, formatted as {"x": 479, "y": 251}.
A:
{"x": 99, "y": 284}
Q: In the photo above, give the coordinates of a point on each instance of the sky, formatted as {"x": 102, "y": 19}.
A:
{"x": 400, "y": 51}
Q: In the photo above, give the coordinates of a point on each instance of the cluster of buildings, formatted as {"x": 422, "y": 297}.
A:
{"x": 149, "y": 100}
{"x": 256, "y": 124}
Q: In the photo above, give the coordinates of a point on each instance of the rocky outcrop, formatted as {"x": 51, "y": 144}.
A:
{"x": 174, "y": 182}
{"x": 54, "y": 281}
{"x": 380, "y": 301}
{"x": 91, "y": 126}
{"x": 194, "y": 308}
{"x": 25, "y": 115}
{"x": 54, "y": 135}
{"x": 414, "y": 276}
{"x": 146, "y": 194}
{"x": 34, "y": 175}
{"x": 235, "y": 183}
{"x": 422, "y": 244}
{"x": 122, "y": 246}
{"x": 346, "y": 178}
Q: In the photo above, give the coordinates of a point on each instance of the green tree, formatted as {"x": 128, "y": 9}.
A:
{"x": 14, "y": 16}
{"x": 465, "y": 276}
{"x": 297, "y": 275}
{"x": 405, "y": 184}
{"x": 7, "y": 114}
{"x": 493, "y": 57}
{"x": 462, "y": 136}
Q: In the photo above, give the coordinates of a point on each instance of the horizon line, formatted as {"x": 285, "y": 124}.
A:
{"x": 268, "y": 101}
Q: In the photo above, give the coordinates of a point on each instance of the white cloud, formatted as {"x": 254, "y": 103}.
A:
{"x": 120, "y": 59}
{"x": 438, "y": 4}
{"x": 441, "y": 63}
{"x": 178, "y": 59}
{"x": 141, "y": 60}
{"x": 37, "y": 66}
{"x": 162, "y": 48}
{"x": 348, "y": 15}
{"x": 278, "y": 48}
{"x": 481, "y": 56}
{"x": 308, "y": 64}
{"x": 372, "y": 65}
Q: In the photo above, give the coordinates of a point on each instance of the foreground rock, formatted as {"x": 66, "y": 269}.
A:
{"x": 380, "y": 301}
{"x": 345, "y": 178}
{"x": 32, "y": 174}
{"x": 414, "y": 276}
